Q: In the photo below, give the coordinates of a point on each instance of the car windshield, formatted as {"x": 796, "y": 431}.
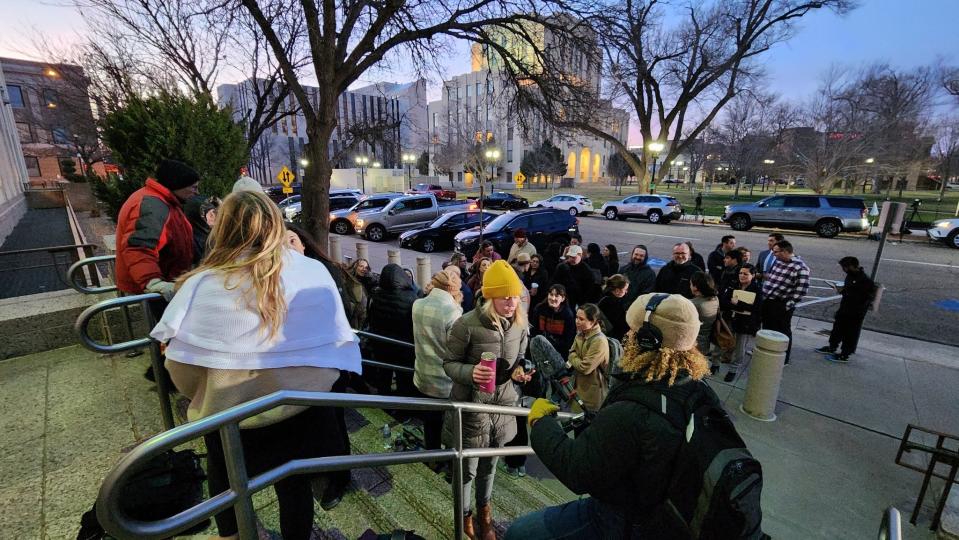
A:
{"x": 440, "y": 220}
{"x": 422, "y": 187}
{"x": 499, "y": 222}
{"x": 370, "y": 204}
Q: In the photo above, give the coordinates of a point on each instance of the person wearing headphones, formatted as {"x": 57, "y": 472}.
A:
{"x": 623, "y": 458}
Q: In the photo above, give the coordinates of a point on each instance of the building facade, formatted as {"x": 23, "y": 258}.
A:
{"x": 475, "y": 108}
{"x": 13, "y": 171}
{"x": 380, "y": 122}
{"x": 51, "y": 111}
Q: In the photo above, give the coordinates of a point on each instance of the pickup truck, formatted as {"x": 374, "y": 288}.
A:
{"x": 436, "y": 190}
{"x": 404, "y": 213}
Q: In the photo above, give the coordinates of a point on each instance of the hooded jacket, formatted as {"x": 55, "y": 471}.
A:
{"x": 674, "y": 278}
{"x": 391, "y": 315}
{"x": 638, "y": 443}
{"x": 471, "y": 336}
{"x": 154, "y": 238}
{"x": 642, "y": 280}
{"x": 581, "y": 286}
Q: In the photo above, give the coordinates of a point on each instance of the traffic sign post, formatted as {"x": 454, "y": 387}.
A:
{"x": 285, "y": 176}
{"x": 520, "y": 180}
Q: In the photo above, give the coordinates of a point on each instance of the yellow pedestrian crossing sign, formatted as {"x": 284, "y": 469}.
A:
{"x": 285, "y": 176}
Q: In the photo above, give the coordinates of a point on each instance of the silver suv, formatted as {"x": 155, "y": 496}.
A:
{"x": 825, "y": 214}
{"x": 655, "y": 208}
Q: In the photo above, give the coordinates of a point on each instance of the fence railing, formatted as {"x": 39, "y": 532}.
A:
{"x": 891, "y": 526}
{"x": 242, "y": 487}
{"x": 73, "y": 252}
{"x": 74, "y": 272}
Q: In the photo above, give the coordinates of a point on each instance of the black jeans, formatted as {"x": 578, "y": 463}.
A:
{"x": 777, "y": 317}
{"x": 521, "y": 439}
{"x": 304, "y": 435}
{"x": 432, "y": 424}
{"x": 845, "y": 331}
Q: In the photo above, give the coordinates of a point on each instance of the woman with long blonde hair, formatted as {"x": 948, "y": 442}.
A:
{"x": 243, "y": 325}
{"x": 498, "y": 327}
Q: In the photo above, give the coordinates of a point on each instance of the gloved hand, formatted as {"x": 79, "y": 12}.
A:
{"x": 157, "y": 285}
{"x": 541, "y": 407}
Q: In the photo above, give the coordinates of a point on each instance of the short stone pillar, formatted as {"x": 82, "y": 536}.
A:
{"x": 362, "y": 252}
{"x": 765, "y": 375}
{"x": 423, "y": 272}
{"x": 335, "y": 252}
{"x": 393, "y": 257}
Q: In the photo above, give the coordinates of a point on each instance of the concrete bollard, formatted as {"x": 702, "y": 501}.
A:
{"x": 423, "y": 272}
{"x": 362, "y": 252}
{"x": 393, "y": 257}
{"x": 765, "y": 375}
{"x": 335, "y": 252}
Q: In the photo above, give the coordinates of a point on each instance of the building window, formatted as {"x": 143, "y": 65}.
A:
{"x": 509, "y": 155}
{"x": 23, "y": 131}
{"x": 33, "y": 165}
{"x": 60, "y": 136}
{"x": 16, "y": 96}
{"x": 50, "y": 98}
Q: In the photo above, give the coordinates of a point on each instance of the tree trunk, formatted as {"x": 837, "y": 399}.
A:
{"x": 316, "y": 183}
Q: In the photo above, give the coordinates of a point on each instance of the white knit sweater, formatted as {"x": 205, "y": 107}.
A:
{"x": 218, "y": 356}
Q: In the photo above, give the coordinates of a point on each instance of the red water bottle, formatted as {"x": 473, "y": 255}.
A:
{"x": 488, "y": 359}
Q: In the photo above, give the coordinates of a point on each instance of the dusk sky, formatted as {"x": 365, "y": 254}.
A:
{"x": 902, "y": 33}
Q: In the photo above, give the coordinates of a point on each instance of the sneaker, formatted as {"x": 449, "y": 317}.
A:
{"x": 825, "y": 350}
{"x": 521, "y": 471}
{"x": 730, "y": 376}
{"x": 512, "y": 471}
{"x": 841, "y": 358}
{"x": 332, "y": 497}
{"x": 713, "y": 369}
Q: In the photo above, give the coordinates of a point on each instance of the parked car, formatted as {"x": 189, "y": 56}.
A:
{"x": 542, "y": 226}
{"x": 439, "y": 234}
{"x": 293, "y": 199}
{"x": 276, "y": 192}
{"x": 436, "y": 190}
{"x": 338, "y": 201}
{"x": 655, "y": 208}
{"x": 344, "y": 221}
{"x": 574, "y": 204}
{"x": 404, "y": 213}
{"x": 504, "y": 201}
{"x": 825, "y": 214}
{"x": 946, "y": 231}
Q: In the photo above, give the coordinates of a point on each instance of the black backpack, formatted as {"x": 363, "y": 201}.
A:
{"x": 166, "y": 485}
{"x": 716, "y": 484}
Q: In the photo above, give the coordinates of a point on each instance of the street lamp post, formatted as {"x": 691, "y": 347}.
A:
{"x": 408, "y": 160}
{"x": 767, "y": 163}
{"x": 678, "y": 164}
{"x": 654, "y": 148}
{"x": 492, "y": 155}
{"x": 303, "y": 164}
{"x": 362, "y": 162}
{"x": 870, "y": 161}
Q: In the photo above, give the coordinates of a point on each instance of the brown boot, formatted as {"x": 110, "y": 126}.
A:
{"x": 485, "y": 519}
{"x": 468, "y": 529}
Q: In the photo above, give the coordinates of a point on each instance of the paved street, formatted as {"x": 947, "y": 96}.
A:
{"x": 922, "y": 280}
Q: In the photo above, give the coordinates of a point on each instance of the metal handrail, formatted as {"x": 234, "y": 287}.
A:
{"x": 48, "y": 249}
{"x": 79, "y": 265}
{"x": 242, "y": 488}
{"x": 891, "y": 526}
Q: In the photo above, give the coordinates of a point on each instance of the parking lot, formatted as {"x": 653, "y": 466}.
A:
{"x": 921, "y": 279}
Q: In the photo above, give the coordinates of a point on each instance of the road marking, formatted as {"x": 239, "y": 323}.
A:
{"x": 922, "y": 263}
{"x": 662, "y": 235}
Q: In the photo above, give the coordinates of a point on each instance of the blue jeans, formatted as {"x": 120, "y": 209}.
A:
{"x": 581, "y": 519}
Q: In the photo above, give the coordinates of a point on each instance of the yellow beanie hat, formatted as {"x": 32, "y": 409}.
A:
{"x": 501, "y": 281}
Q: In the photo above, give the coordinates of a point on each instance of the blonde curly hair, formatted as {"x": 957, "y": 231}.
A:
{"x": 663, "y": 362}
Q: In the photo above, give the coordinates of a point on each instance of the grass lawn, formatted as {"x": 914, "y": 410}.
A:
{"x": 720, "y": 196}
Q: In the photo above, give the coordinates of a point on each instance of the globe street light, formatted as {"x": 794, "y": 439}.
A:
{"x": 492, "y": 155}
{"x": 362, "y": 162}
{"x": 654, "y": 148}
{"x": 303, "y": 163}
{"x": 409, "y": 160}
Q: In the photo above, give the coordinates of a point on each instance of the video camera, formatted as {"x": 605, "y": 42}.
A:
{"x": 563, "y": 392}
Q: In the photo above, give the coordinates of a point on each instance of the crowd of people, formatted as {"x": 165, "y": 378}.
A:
{"x": 239, "y": 318}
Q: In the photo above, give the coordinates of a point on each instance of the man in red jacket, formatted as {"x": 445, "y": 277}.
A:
{"x": 154, "y": 236}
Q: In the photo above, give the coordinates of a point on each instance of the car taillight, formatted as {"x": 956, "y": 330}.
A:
{"x": 672, "y": 203}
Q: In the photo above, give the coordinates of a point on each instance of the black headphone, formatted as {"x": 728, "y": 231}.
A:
{"x": 648, "y": 337}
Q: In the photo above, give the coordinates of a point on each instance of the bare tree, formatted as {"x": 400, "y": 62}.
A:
{"x": 745, "y": 135}
{"x": 945, "y": 152}
{"x": 669, "y": 63}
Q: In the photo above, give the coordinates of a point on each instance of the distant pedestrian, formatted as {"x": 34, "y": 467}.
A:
{"x": 595, "y": 260}
{"x": 784, "y": 286}
{"x": 486, "y": 251}
{"x": 642, "y": 278}
{"x": 766, "y": 259}
{"x": 675, "y": 276}
{"x": 536, "y": 279}
{"x": 857, "y": 295}
{"x": 698, "y": 211}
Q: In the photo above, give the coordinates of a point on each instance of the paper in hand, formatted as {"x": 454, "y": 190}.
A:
{"x": 747, "y": 297}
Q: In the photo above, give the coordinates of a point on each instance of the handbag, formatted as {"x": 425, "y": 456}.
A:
{"x": 722, "y": 336}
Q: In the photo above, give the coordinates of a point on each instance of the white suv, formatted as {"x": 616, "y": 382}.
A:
{"x": 574, "y": 204}
{"x": 946, "y": 231}
{"x": 655, "y": 208}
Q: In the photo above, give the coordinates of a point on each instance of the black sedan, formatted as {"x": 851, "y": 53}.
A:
{"x": 439, "y": 234}
{"x": 504, "y": 201}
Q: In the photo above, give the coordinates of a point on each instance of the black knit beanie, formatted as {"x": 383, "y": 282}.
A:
{"x": 174, "y": 175}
